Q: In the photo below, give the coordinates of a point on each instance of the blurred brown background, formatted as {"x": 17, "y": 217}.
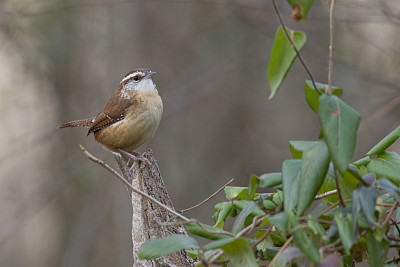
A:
{"x": 61, "y": 60}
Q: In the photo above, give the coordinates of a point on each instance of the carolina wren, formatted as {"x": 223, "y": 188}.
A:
{"x": 130, "y": 117}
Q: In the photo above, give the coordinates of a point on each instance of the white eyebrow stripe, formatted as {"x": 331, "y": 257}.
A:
{"x": 127, "y": 77}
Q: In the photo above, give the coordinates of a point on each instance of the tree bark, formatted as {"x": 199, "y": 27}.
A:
{"x": 148, "y": 218}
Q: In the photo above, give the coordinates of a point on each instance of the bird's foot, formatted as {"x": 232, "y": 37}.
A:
{"x": 135, "y": 156}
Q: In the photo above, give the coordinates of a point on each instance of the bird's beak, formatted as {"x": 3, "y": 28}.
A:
{"x": 151, "y": 73}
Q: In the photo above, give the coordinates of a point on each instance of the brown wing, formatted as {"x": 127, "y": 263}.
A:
{"x": 113, "y": 111}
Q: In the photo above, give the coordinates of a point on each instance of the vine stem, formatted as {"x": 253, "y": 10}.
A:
{"x": 388, "y": 217}
{"x": 331, "y": 50}
{"x": 280, "y": 251}
{"x": 207, "y": 199}
{"x": 341, "y": 200}
{"x": 278, "y": 14}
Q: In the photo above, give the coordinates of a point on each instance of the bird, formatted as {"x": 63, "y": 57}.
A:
{"x": 129, "y": 118}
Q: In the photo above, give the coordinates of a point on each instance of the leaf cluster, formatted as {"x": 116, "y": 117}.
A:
{"x": 322, "y": 208}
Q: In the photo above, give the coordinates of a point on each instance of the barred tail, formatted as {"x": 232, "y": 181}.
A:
{"x": 85, "y": 123}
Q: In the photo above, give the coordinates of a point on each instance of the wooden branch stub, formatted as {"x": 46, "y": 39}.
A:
{"x": 148, "y": 218}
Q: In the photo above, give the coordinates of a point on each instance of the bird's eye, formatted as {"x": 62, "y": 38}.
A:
{"x": 136, "y": 78}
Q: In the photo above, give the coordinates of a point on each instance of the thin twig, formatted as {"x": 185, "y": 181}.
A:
{"x": 385, "y": 204}
{"x": 393, "y": 237}
{"x": 214, "y": 256}
{"x": 304, "y": 218}
{"x": 265, "y": 235}
{"x": 394, "y": 259}
{"x": 388, "y": 217}
{"x": 326, "y": 194}
{"x": 333, "y": 245}
{"x": 338, "y": 188}
{"x": 327, "y": 209}
{"x": 298, "y": 227}
{"x": 207, "y": 199}
{"x": 294, "y": 47}
{"x": 123, "y": 180}
{"x": 253, "y": 225}
{"x": 241, "y": 233}
{"x": 330, "y": 61}
{"x": 395, "y": 224}
{"x": 280, "y": 251}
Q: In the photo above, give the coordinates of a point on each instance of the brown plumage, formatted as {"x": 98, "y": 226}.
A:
{"x": 131, "y": 115}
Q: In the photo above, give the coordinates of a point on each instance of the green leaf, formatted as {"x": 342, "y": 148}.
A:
{"x": 389, "y": 187}
{"x": 239, "y": 222}
{"x": 368, "y": 196}
{"x": 344, "y": 225}
{"x": 297, "y": 147}
{"x": 273, "y": 200}
{"x": 339, "y": 124}
{"x": 270, "y": 179}
{"x": 232, "y": 192}
{"x": 160, "y": 247}
{"x": 242, "y": 204}
{"x": 219, "y": 243}
{"x": 355, "y": 211}
{"x": 302, "y": 240}
{"x": 315, "y": 227}
{"x": 386, "y": 165}
{"x": 253, "y": 183}
{"x": 282, "y": 57}
{"x": 263, "y": 244}
{"x": 223, "y": 213}
{"x": 362, "y": 162}
{"x": 314, "y": 167}
{"x": 377, "y": 250}
{"x": 365, "y": 198}
{"x": 279, "y": 221}
{"x": 291, "y": 172}
{"x": 348, "y": 182}
{"x": 385, "y": 143}
{"x": 268, "y": 204}
{"x": 210, "y": 233}
{"x": 312, "y": 96}
{"x": 240, "y": 253}
{"x": 193, "y": 253}
{"x": 287, "y": 255}
{"x": 300, "y": 8}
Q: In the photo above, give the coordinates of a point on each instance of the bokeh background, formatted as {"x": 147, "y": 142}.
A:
{"x": 61, "y": 60}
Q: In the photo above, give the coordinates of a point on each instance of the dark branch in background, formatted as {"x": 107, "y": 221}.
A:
{"x": 294, "y": 47}
{"x": 380, "y": 113}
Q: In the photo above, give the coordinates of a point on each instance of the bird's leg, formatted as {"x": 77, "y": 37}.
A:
{"x": 135, "y": 156}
